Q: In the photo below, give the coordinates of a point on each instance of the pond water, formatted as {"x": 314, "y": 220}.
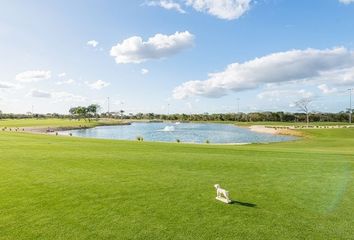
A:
{"x": 185, "y": 132}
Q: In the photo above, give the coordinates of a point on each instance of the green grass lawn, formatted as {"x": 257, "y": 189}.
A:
{"x": 55, "y": 122}
{"x": 293, "y": 123}
{"x": 54, "y": 187}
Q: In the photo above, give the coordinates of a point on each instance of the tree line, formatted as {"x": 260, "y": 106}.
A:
{"x": 92, "y": 111}
{"x": 88, "y": 112}
{"x": 246, "y": 117}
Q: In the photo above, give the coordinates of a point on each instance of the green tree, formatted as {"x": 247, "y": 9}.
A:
{"x": 78, "y": 112}
{"x": 92, "y": 110}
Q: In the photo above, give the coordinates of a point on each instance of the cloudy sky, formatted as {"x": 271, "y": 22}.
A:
{"x": 176, "y": 55}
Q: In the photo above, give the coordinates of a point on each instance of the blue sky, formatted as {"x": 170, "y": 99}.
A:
{"x": 201, "y": 57}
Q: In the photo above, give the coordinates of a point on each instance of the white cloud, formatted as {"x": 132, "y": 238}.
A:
{"x": 33, "y": 76}
{"x": 167, "y": 4}
{"x": 346, "y": 1}
{"x": 282, "y": 67}
{"x": 39, "y": 94}
{"x": 342, "y": 77}
{"x": 223, "y": 9}
{"x": 68, "y": 81}
{"x": 327, "y": 90}
{"x": 135, "y": 50}
{"x": 92, "y": 43}
{"x": 67, "y": 97}
{"x": 144, "y": 71}
{"x": 304, "y": 94}
{"x": 62, "y": 74}
{"x": 347, "y": 76}
{"x": 56, "y": 96}
{"x": 280, "y": 94}
{"x": 99, "y": 84}
{"x": 7, "y": 85}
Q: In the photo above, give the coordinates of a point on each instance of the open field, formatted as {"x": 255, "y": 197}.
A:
{"x": 55, "y": 123}
{"x": 56, "y": 187}
{"x": 293, "y": 123}
{"x": 275, "y": 124}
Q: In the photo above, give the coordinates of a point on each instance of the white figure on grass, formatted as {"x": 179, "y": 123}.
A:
{"x": 222, "y": 195}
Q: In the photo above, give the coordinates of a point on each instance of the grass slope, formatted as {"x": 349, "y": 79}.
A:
{"x": 49, "y": 122}
{"x": 55, "y": 122}
{"x": 294, "y": 123}
{"x": 70, "y": 188}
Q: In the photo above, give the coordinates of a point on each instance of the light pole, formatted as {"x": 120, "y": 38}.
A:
{"x": 350, "y": 105}
{"x": 108, "y": 105}
{"x": 122, "y": 111}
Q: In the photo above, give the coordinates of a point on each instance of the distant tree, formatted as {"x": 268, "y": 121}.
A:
{"x": 79, "y": 112}
{"x": 139, "y": 116}
{"x": 72, "y": 110}
{"x": 85, "y": 112}
{"x": 304, "y": 106}
{"x": 92, "y": 110}
{"x": 121, "y": 114}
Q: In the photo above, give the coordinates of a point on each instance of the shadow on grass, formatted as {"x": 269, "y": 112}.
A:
{"x": 245, "y": 204}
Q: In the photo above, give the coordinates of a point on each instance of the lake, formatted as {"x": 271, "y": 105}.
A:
{"x": 185, "y": 132}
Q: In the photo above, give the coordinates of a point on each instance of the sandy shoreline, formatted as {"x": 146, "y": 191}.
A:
{"x": 292, "y": 130}
{"x": 275, "y": 130}
{"x": 54, "y": 130}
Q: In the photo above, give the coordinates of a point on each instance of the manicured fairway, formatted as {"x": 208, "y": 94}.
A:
{"x": 52, "y": 122}
{"x": 55, "y": 187}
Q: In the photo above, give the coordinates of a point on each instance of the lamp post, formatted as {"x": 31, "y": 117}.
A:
{"x": 108, "y": 105}
{"x": 122, "y": 111}
{"x": 350, "y": 105}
